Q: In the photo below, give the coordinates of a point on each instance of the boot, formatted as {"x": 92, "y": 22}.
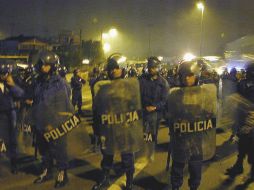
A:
{"x": 45, "y": 176}
{"x": 235, "y": 170}
{"x": 104, "y": 183}
{"x": 14, "y": 167}
{"x": 129, "y": 181}
{"x": 61, "y": 179}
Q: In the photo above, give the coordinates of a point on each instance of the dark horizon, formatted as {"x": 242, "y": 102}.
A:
{"x": 172, "y": 26}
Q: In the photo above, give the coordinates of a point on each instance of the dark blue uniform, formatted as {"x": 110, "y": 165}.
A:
{"x": 8, "y": 117}
{"x": 153, "y": 93}
{"x": 244, "y": 130}
{"x": 107, "y": 133}
{"x": 108, "y": 158}
{"x": 191, "y": 112}
{"x": 54, "y": 94}
{"x": 76, "y": 85}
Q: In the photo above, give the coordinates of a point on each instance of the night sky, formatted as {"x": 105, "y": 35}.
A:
{"x": 173, "y": 26}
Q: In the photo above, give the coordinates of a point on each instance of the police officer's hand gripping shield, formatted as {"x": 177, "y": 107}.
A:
{"x": 191, "y": 115}
{"x": 117, "y": 109}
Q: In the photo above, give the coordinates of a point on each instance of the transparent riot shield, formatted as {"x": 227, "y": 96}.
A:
{"x": 118, "y": 114}
{"x": 191, "y": 115}
{"x": 55, "y": 121}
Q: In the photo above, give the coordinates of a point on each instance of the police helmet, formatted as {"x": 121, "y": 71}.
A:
{"x": 188, "y": 68}
{"x": 153, "y": 62}
{"x": 115, "y": 61}
{"x": 48, "y": 58}
{"x": 62, "y": 70}
{"x": 250, "y": 70}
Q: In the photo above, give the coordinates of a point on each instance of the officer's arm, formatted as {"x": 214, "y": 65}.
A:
{"x": 16, "y": 91}
{"x": 73, "y": 82}
{"x": 164, "y": 93}
{"x": 144, "y": 98}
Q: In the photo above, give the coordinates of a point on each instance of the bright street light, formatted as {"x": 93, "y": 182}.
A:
{"x": 201, "y": 7}
{"x": 85, "y": 61}
{"x": 160, "y": 58}
{"x": 106, "y": 47}
{"x": 105, "y": 36}
{"x": 188, "y": 57}
{"x": 122, "y": 59}
{"x": 113, "y": 32}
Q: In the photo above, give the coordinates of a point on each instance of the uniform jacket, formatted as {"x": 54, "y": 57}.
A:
{"x": 153, "y": 92}
{"x": 7, "y": 97}
{"x": 52, "y": 104}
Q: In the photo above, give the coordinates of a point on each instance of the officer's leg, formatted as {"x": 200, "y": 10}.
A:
{"x": 79, "y": 102}
{"x": 195, "y": 168}
{"x": 169, "y": 155}
{"x": 157, "y": 118}
{"x": 251, "y": 155}
{"x": 157, "y": 129}
{"x": 237, "y": 168}
{"x": 74, "y": 99}
{"x": 95, "y": 137}
{"x": 59, "y": 153}
{"x": 177, "y": 175}
{"x": 106, "y": 165}
{"x": 13, "y": 142}
{"x": 128, "y": 165}
{"x": 47, "y": 161}
{"x": 150, "y": 121}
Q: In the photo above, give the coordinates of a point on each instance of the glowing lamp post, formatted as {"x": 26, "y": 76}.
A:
{"x": 201, "y": 7}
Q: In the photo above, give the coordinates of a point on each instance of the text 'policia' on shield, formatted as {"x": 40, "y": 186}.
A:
{"x": 120, "y": 118}
{"x": 193, "y": 127}
{"x": 2, "y": 146}
{"x": 62, "y": 130}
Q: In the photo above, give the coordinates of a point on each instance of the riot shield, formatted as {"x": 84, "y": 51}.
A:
{"x": 117, "y": 109}
{"x": 191, "y": 115}
{"x": 55, "y": 121}
{"x": 4, "y": 134}
{"x": 19, "y": 135}
{"x": 25, "y": 136}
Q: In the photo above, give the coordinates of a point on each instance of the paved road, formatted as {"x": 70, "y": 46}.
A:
{"x": 85, "y": 170}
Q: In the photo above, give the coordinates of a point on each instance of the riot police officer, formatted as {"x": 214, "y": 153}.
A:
{"x": 8, "y": 116}
{"x": 116, "y": 74}
{"x": 51, "y": 97}
{"x": 186, "y": 111}
{"x": 76, "y": 85}
{"x": 132, "y": 72}
{"x": 154, "y": 89}
{"x": 243, "y": 132}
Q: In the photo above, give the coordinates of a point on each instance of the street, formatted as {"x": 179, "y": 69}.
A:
{"x": 85, "y": 170}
